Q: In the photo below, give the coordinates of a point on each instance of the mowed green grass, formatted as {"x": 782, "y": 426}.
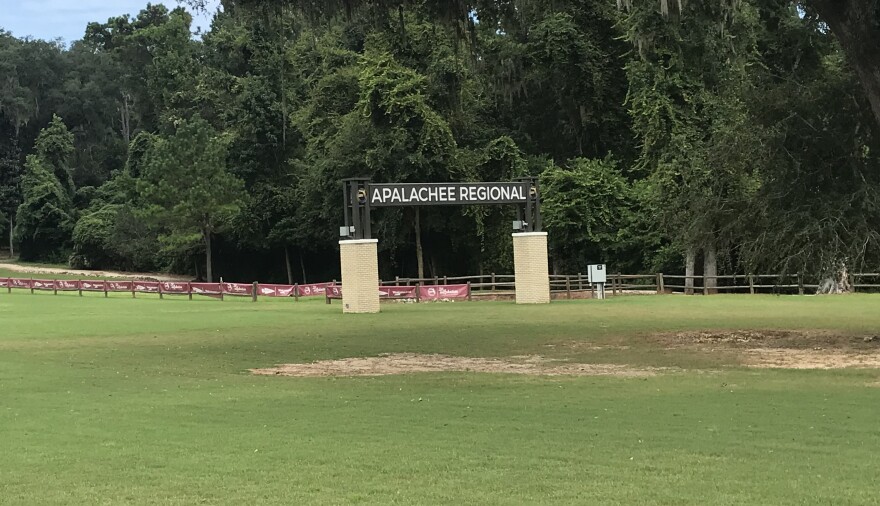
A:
{"x": 121, "y": 401}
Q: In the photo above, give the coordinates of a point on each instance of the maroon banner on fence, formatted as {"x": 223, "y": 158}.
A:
{"x": 398, "y": 292}
{"x": 203, "y": 288}
{"x": 92, "y": 286}
{"x": 443, "y": 292}
{"x": 43, "y": 284}
{"x": 277, "y": 290}
{"x": 119, "y": 286}
{"x": 243, "y": 289}
{"x": 5, "y": 282}
{"x": 67, "y": 286}
{"x": 146, "y": 286}
{"x": 21, "y": 283}
{"x": 174, "y": 287}
{"x": 314, "y": 289}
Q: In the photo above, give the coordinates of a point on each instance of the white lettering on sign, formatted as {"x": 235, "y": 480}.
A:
{"x": 447, "y": 193}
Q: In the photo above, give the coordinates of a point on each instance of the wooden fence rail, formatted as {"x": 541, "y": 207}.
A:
{"x": 573, "y": 285}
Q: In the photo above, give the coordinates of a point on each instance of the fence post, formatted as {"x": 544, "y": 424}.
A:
{"x": 79, "y": 283}
{"x": 32, "y": 286}
{"x": 189, "y": 289}
{"x": 296, "y": 292}
{"x": 751, "y": 285}
{"x": 800, "y": 284}
{"x": 55, "y": 286}
{"x": 160, "y": 291}
{"x": 580, "y": 281}
{"x": 396, "y": 280}
{"x": 9, "y": 286}
{"x": 105, "y": 288}
{"x": 660, "y": 288}
{"x": 256, "y": 290}
{"x": 445, "y": 280}
{"x": 132, "y": 289}
{"x": 705, "y": 288}
{"x": 493, "y": 281}
{"x": 469, "y": 291}
{"x": 221, "y": 289}
{"x": 418, "y": 292}
{"x": 568, "y": 286}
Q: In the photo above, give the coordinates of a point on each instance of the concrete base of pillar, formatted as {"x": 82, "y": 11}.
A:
{"x": 360, "y": 275}
{"x": 530, "y": 268}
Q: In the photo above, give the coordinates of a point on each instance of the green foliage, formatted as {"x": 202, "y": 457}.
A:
{"x": 45, "y": 218}
{"x": 588, "y": 208}
{"x": 92, "y": 238}
{"x": 660, "y": 127}
{"x": 54, "y": 146}
{"x": 186, "y": 186}
{"x": 10, "y": 176}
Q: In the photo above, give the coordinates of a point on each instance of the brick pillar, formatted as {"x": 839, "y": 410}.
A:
{"x": 530, "y": 268}
{"x": 360, "y": 275}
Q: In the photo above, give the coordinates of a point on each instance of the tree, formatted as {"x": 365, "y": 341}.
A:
{"x": 588, "y": 208}
{"x": 684, "y": 95}
{"x": 55, "y": 147}
{"x": 187, "y": 187}
{"x": 46, "y": 215}
{"x": 856, "y": 24}
{"x": 45, "y": 218}
{"x": 10, "y": 184}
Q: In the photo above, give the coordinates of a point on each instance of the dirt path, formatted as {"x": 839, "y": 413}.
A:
{"x": 28, "y": 269}
{"x": 406, "y": 363}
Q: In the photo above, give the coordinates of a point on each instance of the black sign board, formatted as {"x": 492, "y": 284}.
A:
{"x": 422, "y": 194}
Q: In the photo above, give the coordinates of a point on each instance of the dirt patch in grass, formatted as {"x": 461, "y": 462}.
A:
{"x": 407, "y": 363}
{"x": 811, "y": 359}
{"x": 788, "y": 349}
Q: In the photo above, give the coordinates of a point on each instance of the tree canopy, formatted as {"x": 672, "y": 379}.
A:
{"x": 673, "y": 136}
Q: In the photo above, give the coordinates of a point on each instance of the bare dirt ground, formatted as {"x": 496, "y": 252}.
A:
{"x": 405, "y": 363}
{"x": 788, "y": 349}
{"x": 28, "y": 269}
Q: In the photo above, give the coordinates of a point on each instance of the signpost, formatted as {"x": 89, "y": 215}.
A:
{"x": 358, "y": 250}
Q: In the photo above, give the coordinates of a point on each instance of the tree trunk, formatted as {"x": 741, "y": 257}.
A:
{"x": 689, "y": 262}
{"x": 302, "y": 266}
{"x": 11, "y": 235}
{"x": 837, "y": 281}
{"x": 856, "y": 24}
{"x": 710, "y": 269}
{"x": 420, "y": 259}
{"x": 125, "y": 118}
{"x": 209, "y": 268}
{"x": 287, "y": 264}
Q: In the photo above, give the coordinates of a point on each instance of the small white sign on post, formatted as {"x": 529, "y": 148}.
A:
{"x": 597, "y": 276}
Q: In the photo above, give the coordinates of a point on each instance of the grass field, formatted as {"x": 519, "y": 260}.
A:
{"x": 121, "y": 401}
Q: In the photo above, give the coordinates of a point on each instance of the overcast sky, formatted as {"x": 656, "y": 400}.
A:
{"x": 67, "y": 19}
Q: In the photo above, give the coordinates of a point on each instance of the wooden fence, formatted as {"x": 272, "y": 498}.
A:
{"x": 578, "y": 285}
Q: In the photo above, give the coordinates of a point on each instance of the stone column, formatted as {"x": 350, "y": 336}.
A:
{"x": 530, "y": 268}
{"x": 360, "y": 275}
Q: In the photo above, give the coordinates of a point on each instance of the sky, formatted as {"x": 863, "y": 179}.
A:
{"x": 67, "y": 19}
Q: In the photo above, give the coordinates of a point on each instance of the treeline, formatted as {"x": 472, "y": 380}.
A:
{"x": 723, "y": 137}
